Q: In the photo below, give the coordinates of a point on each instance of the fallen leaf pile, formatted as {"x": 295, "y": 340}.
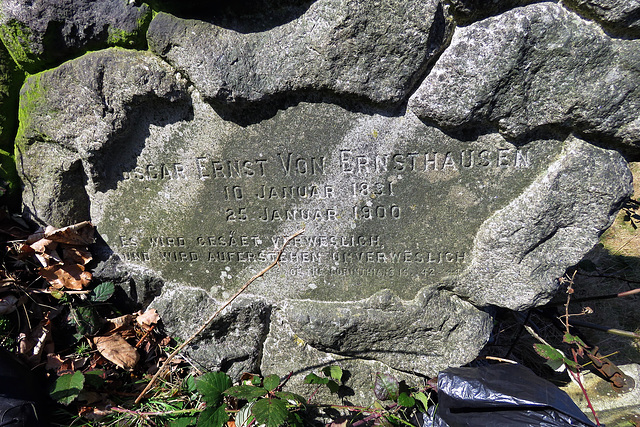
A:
{"x": 63, "y": 254}
{"x": 54, "y": 315}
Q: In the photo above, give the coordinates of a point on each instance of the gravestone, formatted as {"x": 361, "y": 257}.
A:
{"x": 420, "y": 211}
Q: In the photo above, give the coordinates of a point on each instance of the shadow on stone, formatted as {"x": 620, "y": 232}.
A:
{"x": 243, "y": 16}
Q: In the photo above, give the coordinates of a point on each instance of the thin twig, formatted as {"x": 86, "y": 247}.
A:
{"x": 206, "y": 324}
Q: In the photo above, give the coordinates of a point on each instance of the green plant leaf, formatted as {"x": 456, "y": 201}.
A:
{"x": 422, "y": 398}
{"x": 291, "y": 397}
{"x": 67, "y": 387}
{"x": 189, "y": 384}
{"x": 243, "y": 416}
{"x": 572, "y": 339}
{"x": 182, "y": 421}
{"x": 211, "y": 385}
{"x": 213, "y": 416}
{"x": 333, "y": 371}
{"x": 246, "y": 392}
{"x": 405, "y": 400}
{"x": 333, "y": 386}
{"x": 314, "y": 379}
{"x": 272, "y": 412}
{"x": 102, "y": 292}
{"x": 386, "y": 387}
{"x": 271, "y": 382}
{"x": 552, "y": 354}
{"x": 94, "y": 378}
{"x": 86, "y": 319}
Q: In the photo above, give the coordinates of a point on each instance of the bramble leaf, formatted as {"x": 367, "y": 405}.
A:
{"x": 246, "y": 392}
{"x": 272, "y": 412}
{"x": 211, "y": 386}
{"x": 214, "y": 416}
{"x": 333, "y": 371}
{"x": 102, "y": 292}
{"x": 572, "y": 339}
{"x": 314, "y": 379}
{"x": 67, "y": 387}
{"x": 288, "y": 396}
{"x": 405, "y": 400}
{"x": 271, "y": 382}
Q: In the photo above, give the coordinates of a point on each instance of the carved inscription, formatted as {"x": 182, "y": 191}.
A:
{"x": 395, "y": 207}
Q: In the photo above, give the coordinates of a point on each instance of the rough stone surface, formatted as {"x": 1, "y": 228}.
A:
{"x": 87, "y": 106}
{"x": 533, "y": 67}
{"x": 419, "y": 216}
{"x": 434, "y": 328}
{"x": 375, "y": 51}
{"x": 233, "y": 342}
{"x": 42, "y": 33}
{"x": 523, "y": 248}
{"x": 284, "y": 350}
{"x": 467, "y": 11}
{"x": 620, "y": 17}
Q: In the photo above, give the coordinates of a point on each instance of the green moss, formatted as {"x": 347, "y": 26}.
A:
{"x": 16, "y": 38}
{"x": 131, "y": 39}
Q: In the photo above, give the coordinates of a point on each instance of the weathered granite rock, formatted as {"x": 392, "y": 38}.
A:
{"x": 42, "y": 33}
{"x": 233, "y": 342}
{"x": 620, "y": 17}
{"x": 87, "y": 106}
{"x": 534, "y": 67}
{"x": 435, "y": 328}
{"x": 523, "y": 248}
{"x": 467, "y": 11}
{"x": 10, "y": 81}
{"x": 375, "y": 51}
{"x": 410, "y": 234}
{"x": 284, "y": 351}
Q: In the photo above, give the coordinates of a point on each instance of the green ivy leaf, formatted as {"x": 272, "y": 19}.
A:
{"x": 314, "y": 379}
{"x": 213, "y": 416}
{"x": 246, "y": 392}
{"x": 211, "y": 385}
{"x": 102, "y": 292}
{"x": 67, "y": 387}
{"x": 333, "y": 371}
{"x": 405, "y": 400}
{"x": 386, "y": 387}
{"x": 271, "y": 382}
{"x": 272, "y": 412}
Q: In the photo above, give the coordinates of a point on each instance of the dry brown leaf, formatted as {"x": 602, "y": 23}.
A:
{"x": 36, "y": 342}
{"x": 41, "y": 246}
{"x": 70, "y": 276}
{"x": 39, "y": 234}
{"x": 77, "y": 234}
{"x": 117, "y": 350}
{"x": 148, "y": 318}
{"x": 338, "y": 424}
{"x": 120, "y": 324}
{"x": 76, "y": 255}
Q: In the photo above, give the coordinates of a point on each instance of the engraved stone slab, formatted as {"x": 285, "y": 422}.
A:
{"x": 386, "y": 202}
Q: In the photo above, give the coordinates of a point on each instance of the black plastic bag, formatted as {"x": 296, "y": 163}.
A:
{"x": 501, "y": 395}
